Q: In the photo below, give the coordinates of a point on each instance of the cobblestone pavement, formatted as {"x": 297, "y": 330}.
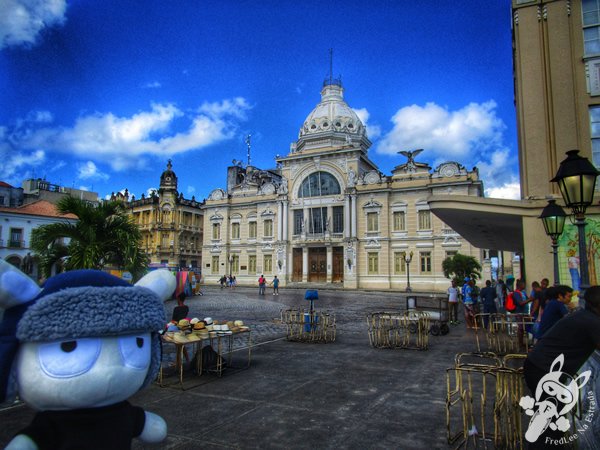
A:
{"x": 345, "y": 394}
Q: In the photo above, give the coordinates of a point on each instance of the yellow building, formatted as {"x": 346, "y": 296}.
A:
{"x": 171, "y": 225}
{"x": 326, "y": 214}
{"x": 556, "y": 66}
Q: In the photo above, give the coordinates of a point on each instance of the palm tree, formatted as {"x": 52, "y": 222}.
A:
{"x": 460, "y": 266}
{"x": 104, "y": 236}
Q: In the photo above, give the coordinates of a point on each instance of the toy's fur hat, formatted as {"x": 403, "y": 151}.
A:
{"x": 81, "y": 303}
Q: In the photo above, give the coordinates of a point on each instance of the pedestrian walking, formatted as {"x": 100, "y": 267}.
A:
{"x": 262, "y": 283}
{"x": 275, "y": 284}
{"x": 453, "y": 304}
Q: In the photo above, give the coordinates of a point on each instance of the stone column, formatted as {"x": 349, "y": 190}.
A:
{"x": 279, "y": 220}
{"x": 329, "y": 263}
{"x": 305, "y": 264}
{"x": 354, "y": 212}
{"x": 347, "y": 216}
{"x": 285, "y": 221}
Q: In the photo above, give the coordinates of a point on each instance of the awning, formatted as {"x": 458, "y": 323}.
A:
{"x": 490, "y": 223}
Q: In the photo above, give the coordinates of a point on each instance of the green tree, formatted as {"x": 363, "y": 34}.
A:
{"x": 459, "y": 266}
{"x": 103, "y": 236}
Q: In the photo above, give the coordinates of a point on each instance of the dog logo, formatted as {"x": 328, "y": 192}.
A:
{"x": 553, "y": 400}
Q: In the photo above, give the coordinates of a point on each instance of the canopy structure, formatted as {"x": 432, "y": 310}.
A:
{"x": 489, "y": 223}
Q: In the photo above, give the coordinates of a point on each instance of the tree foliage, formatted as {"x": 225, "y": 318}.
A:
{"x": 460, "y": 266}
{"x": 104, "y": 236}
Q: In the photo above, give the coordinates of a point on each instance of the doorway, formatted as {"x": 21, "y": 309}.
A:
{"x": 317, "y": 264}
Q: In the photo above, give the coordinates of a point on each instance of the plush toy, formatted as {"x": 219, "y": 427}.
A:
{"x": 76, "y": 350}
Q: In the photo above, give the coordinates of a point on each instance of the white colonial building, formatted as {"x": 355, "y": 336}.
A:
{"x": 327, "y": 214}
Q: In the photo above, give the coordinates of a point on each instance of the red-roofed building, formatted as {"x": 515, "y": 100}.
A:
{"x": 16, "y": 225}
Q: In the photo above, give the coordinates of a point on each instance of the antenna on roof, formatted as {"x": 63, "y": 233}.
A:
{"x": 330, "y": 66}
{"x": 248, "y": 144}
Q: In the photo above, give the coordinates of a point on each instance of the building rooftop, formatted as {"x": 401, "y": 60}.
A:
{"x": 38, "y": 208}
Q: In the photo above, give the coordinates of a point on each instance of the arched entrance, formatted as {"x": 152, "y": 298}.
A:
{"x": 15, "y": 261}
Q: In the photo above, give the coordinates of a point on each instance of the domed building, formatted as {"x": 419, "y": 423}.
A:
{"x": 327, "y": 214}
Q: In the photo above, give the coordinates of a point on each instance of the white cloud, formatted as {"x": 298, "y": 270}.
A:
{"x": 451, "y": 134}
{"x": 21, "y": 21}
{"x": 472, "y": 136}
{"x": 122, "y": 142}
{"x": 40, "y": 116}
{"x": 89, "y": 171}
{"x": 373, "y": 131}
{"x": 507, "y": 191}
{"x": 152, "y": 85}
{"x": 149, "y": 191}
{"x": 191, "y": 190}
{"x": 84, "y": 188}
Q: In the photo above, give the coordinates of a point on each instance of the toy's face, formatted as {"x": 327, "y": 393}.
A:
{"x": 82, "y": 373}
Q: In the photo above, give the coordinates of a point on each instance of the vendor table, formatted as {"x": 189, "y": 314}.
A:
{"x": 222, "y": 344}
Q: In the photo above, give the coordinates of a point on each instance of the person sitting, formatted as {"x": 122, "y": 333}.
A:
{"x": 573, "y": 339}
{"x": 556, "y": 307}
{"x": 181, "y": 311}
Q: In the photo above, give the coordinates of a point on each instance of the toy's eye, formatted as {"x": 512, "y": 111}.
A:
{"x": 65, "y": 359}
{"x": 135, "y": 351}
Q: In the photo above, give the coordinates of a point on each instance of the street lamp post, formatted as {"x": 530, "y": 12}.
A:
{"x": 408, "y": 259}
{"x": 553, "y": 218}
{"x": 576, "y": 178}
{"x": 230, "y": 266}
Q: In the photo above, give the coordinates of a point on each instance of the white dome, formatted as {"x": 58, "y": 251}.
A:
{"x": 332, "y": 114}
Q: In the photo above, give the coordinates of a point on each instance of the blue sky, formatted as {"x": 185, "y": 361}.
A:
{"x": 100, "y": 94}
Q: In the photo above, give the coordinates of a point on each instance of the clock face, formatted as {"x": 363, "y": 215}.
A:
{"x": 168, "y": 178}
{"x": 448, "y": 171}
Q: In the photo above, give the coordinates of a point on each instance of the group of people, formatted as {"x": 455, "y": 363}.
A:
{"x": 262, "y": 285}
{"x": 228, "y": 281}
{"x": 545, "y": 304}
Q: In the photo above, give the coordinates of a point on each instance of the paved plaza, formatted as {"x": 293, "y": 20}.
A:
{"x": 344, "y": 394}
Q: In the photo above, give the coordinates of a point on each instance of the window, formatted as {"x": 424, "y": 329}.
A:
{"x": 595, "y": 134}
{"x": 268, "y": 263}
{"x": 317, "y": 220}
{"x": 298, "y": 221}
{"x": 251, "y": 264}
{"x": 591, "y": 27}
{"x": 399, "y": 263}
{"x": 252, "y": 230}
{"x": 424, "y": 220}
{"x": 16, "y": 238}
{"x": 215, "y": 265}
{"x": 373, "y": 263}
{"x": 399, "y": 221}
{"x": 268, "y": 228}
{"x": 319, "y": 183}
{"x": 235, "y": 230}
{"x": 372, "y": 222}
{"x": 425, "y": 262}
{"x": 235, "y": 264}
{"x": 216, "y": 231}
{"x": 338, "y": 219}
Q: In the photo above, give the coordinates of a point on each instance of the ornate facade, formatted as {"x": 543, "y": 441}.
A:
{"x": 326, "y": 214}
{"x": 171, "y": 225}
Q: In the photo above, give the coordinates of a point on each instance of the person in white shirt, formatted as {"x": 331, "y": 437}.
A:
{"x": 453, "y": 304}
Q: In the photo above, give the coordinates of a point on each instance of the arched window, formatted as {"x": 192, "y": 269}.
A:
{"x": 319, "y": 183}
